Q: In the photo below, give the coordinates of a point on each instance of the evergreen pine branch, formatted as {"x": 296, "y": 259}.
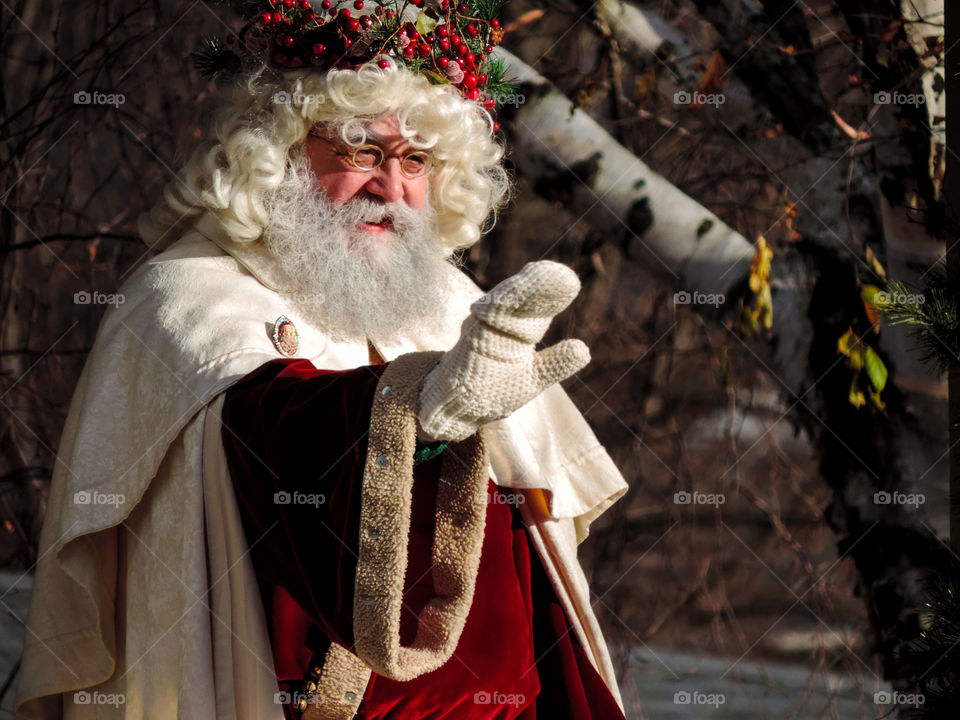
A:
{"x": 934, "y": 317}
{"x": 488, "y": 9}
{"x": 933, "y": 659}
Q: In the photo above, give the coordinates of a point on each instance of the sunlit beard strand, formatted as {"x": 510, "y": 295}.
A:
{"x": 353, "y": 283}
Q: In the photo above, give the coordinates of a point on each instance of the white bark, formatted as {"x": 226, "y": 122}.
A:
{"x": 617, "y": 193}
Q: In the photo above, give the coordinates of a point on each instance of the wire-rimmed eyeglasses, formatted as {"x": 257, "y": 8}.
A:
{"x": 414, "y": 164}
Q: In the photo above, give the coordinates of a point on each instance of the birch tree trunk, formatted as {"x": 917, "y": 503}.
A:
{"x": 815, "y": 282}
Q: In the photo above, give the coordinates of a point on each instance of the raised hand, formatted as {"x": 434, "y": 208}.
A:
{"x": 494, "y": 368}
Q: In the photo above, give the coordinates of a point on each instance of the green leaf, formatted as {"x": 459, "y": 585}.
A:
{"x": 425, "y": 24}
{"x": 875, "y": 369}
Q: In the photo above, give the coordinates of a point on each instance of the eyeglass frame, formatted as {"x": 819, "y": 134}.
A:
{"x": 429, "y": 162}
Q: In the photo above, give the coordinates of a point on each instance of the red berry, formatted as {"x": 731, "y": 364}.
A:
{"x": 473, "y": 94}
{"x": 378, "y": 10}
{"x": 470, "y": 57}
{"x": 332, "y": 12}
{"x": 297, "y": 61}
{"x": 455, "y": 39}
{"x": 416, "y": 3}
{"x": 489, "y": 49}
{"x": 384, "y": 64}
{"x": 425, "y": 50}
{"x": 494, "y": 24}
{"x": 344, "y": 13}
{"x": 231, "y": 39}
{"x": 326, "y": 4}
{"x": 267, "y": 18}
{"x": 445, "y": 44}
{"x": 408, "y": 51}
{"x": 319, "y": 48}
{"x": 462, "y": 8}
{"x": 469, "y": 81}
{"x": 286, "y": 41}
{"x": 489, "y": 103}
{"x": 472, "y": 30}
{"x": 358, "y": 4}
{"x": 482, "y": 79}
{"x": 305, "y": 4}
{"x": 461, "y": 62}
{"x": 443, "y": 62}
{"x": 367, "y": 21}
{"x": 309, "y": 16}
{"x": 463, "y": 49}
{"x": 442, "y": 30}
{"x": 354, "y": 24}
{"x": 496, "y": 126}
{"x": 289, "y": 3}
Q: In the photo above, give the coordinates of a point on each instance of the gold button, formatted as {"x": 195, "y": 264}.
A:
{"x": 301, "y": 704}
{"x": 311, "y": 687}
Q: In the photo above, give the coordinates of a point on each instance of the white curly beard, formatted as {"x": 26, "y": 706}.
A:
{"x": 355, "y": 284}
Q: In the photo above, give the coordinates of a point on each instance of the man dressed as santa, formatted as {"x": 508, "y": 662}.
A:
{"x": 310, "y": 470}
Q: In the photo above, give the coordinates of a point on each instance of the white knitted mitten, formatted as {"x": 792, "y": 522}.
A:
{"x": 494, "y": 369}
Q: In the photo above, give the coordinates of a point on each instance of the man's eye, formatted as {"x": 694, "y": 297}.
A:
{"x": 367, "y": 157}
{"x": 414, "y": 163}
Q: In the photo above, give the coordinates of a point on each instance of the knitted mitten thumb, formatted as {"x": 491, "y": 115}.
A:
{"x": 494, "y": 368}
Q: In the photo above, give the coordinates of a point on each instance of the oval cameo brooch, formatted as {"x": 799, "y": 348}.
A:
{"x": 285, "y": 336}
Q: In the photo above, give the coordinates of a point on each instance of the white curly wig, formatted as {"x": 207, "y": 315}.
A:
{"x": 261, "y": 124}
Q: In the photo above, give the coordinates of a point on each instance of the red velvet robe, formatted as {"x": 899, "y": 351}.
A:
{"x": 289, "y": 427}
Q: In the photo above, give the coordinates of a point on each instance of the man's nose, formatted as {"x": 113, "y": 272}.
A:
{"x": 387, "y": 180}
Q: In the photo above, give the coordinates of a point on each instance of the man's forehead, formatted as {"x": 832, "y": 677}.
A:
{"x": 382, "y": 131}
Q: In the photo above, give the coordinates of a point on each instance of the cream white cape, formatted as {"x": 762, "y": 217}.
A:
{"x": 144, "y": 597}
